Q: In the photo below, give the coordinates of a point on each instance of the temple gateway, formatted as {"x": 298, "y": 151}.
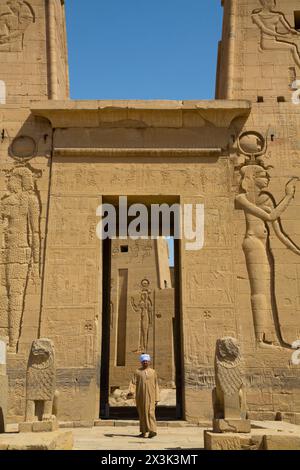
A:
{"x": 89, "y": 307}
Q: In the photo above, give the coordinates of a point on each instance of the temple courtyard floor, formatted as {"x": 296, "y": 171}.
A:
{"x": 120, "y": 435}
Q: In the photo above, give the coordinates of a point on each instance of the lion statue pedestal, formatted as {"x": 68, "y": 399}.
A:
{"x": 41, "y": 394}
{"x": 230, "y": 426}
{"x": 228, "y": 396}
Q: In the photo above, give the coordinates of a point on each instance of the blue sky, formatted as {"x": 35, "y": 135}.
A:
{"x": 138, "y": 49}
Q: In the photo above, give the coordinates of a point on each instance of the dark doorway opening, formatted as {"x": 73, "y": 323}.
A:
{"x": 115, "y": 353}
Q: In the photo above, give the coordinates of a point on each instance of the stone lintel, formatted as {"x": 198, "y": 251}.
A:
{"x": 73, "y": 113}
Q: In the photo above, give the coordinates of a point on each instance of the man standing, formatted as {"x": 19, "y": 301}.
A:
{"x": 144, "y": 386}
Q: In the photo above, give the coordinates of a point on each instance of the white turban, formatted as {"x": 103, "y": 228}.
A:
{"x": 145, "y": 357}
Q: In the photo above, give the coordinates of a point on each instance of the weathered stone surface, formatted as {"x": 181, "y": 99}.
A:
{"x": 293, "y": 418}
{"x": 58, "y": 440}
{"x": 25, "y": 427}
{"x": 278, "y": 442}
{"x": 102, "y": 423}
{"x": 232, "y": 425}
{"x": 261, "y": 415}
{"x": 45, "y": 426}
{"x": 227, "y": 441}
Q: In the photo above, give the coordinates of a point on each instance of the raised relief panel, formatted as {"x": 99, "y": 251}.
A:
{"x": 16, "y": 16}
{"x": 276, "y": 32}
{"x": 144, "y": 308}
{"x": 211, "y": 284}
{"x": 21, "y": 239}
{"x": 262, "y": 215}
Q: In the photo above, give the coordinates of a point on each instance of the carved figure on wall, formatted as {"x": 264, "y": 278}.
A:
{"x": 261, "y": 213}
{"x": 41, "y": 382}
{"x": 20, "y": 216}
{"x": 15, "y": 17}
{"x": 276, "y": 32}
{"x": 145, "y": 308}
{"x": 111, "y": 305}
{"x": 229, "y": 379}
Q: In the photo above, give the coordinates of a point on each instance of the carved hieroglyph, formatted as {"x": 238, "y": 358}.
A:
{"x": 20, "y": 226}
{"x": 144, "y": 308}
{"x": 261, "y": 212}
{"x": 41, "y": 381}
{"x": 229, "y": 399}
{"x": 15, "y": 17}
{"x": 276, "y": 32}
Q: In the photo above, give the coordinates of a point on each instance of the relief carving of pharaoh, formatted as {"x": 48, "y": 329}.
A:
{"x": 276, "y": 32}
{"x": 20, "y": 226}
{"x": 15, "y": 17}
{"x": 262, "y": 215}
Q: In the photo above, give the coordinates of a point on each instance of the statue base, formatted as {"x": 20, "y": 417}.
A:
{"x": 39, "y": 426}
{"x": 226, "y": 441}
{"x": 242, "y": 426}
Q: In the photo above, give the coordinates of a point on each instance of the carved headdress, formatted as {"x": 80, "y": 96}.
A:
{"x": 253, "y": 146}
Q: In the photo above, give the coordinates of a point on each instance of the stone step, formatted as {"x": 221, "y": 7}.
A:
{"x": 123, "y": 423}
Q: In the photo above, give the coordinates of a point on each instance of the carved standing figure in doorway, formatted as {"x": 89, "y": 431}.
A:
{"x": 262, "y": 213}
{"x": 145, "y": 309}
{"x": 276, "y": 32}
{"x": 20, "y": 218}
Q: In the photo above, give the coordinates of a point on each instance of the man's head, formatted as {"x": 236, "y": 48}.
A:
{"x": 145, "y": 360}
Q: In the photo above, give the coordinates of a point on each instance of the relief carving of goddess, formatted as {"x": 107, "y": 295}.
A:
{"x": 144, "y": 308}
{"x": 263, "y": 214}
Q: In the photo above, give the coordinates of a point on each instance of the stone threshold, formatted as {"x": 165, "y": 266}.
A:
{"x": 125, "y": 423}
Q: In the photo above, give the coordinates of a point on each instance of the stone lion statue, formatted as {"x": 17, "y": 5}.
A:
{"x": 41, "y": 394}
{"x": 228, "y": 396}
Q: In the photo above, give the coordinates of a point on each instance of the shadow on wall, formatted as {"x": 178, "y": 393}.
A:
{"x": 2, "y": 427}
